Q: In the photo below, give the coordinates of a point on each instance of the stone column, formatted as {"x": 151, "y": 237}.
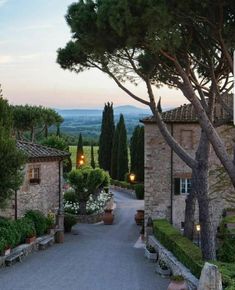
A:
{"x": 210, "y": 278}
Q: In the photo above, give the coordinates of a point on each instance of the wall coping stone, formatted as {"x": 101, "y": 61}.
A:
{"x": 176, "y": 266}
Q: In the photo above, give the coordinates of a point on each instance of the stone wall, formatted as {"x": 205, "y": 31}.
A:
{"x": 158, "y": 185}
{"x": 43, "y": 196}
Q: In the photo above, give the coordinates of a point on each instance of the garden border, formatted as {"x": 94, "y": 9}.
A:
{"x": 176, "y": 266}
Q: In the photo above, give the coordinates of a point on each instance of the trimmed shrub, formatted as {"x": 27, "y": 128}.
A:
{"x": 123, "y": 184}
{"x": 184, "y": 250}
{"x": 71, "y": 196}
{"x": 139, "y": 191}
{"x": 69, "y": 221}
{"x": 39, "y": 220}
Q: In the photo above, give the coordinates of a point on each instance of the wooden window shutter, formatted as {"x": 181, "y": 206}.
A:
{"x": 177, "y": 186}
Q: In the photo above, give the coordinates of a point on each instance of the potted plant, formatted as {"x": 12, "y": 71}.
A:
{"x": 177, "y": 283}
{"x": 30, "y": 234}
{"x": 108, "y": 216}
{"x": 150, "y": 253}
{"x": 162, "y": 268}
{"x": 51, "y": 223}
{"x": 69, "y": 221}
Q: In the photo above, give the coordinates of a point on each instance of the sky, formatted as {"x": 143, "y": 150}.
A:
{"x": 30, "y": 34}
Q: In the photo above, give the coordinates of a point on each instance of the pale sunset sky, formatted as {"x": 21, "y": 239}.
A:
{"x": 30, "y": 34}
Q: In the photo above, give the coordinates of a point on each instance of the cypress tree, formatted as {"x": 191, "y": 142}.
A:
{"x": 122, "y": 154}
{"x": 106, "y": 138}
{"x": 137, "y": 152}
{"x": 115, "y": 153}
{"x": 92, "y": 157}
{"x": 140, "y": 155}
{"x": 133, "y": 150}
{"x": 79, "y": 151}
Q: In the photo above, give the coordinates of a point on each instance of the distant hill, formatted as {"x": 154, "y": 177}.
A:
{"x": 88, "y": 121}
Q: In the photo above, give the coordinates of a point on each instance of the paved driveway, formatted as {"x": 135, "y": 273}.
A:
{"x": 96, "y": 257}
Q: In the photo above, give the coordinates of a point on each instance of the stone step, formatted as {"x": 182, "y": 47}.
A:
{"x": 14, "y": 257}
{"x": 45, "y": 243}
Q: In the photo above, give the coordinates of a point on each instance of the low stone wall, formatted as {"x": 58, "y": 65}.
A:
{"x": 121, "y": 189}
{"x": 26, "y": 249}
{"x": 94, "y": 218}
{"x": 89, "y": 219}
{"x": 177, "y": 267}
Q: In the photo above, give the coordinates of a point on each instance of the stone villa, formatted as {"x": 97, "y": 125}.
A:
{"x": 42, "y": 185}
{"x": 167, "y": 177}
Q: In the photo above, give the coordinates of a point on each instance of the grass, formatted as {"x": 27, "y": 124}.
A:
{"x": 87, "y": 154}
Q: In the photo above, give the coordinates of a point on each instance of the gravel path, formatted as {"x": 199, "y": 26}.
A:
{"x": 94, "y": 257}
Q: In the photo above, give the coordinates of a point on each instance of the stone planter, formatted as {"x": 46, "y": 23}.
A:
{"x": 30, "y": 240}
{"x": 108, "y": 217}
{"x": 163, "y": 271}
{"x": 151, "y": 256}
{"x": 139, "y": 217}
{"x": 178, "y": 285}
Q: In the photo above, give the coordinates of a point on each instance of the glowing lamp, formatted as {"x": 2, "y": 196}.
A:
{"x": 132, "y": 177}
{"x": 198, "y": 228}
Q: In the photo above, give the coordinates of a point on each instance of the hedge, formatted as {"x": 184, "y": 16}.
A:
{"x": 139, "y": 191}
{"x": 189, "y": 254}
{"x": 39, "y": 220}
{"x": 184, "y": 250}
{"x": 123, "y": 184}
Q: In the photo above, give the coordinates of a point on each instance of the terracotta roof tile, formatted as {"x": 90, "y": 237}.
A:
{"x": 186, "y": 114}
{"x": 33, "y": 150}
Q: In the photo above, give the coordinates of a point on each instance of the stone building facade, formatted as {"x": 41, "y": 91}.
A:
{"x": 42, "y": 184}
{"x": 167, "y": 177}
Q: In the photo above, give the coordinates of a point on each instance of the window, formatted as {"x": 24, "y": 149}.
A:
{"x": 34, "y": 175}
{"x": 182, "y": 186}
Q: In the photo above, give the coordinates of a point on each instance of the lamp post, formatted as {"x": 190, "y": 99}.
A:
{"x": 198, "y": 229}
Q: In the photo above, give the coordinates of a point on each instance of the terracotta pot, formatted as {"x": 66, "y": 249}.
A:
{"x": 178, "y": 285}
{"x": 7, "y": 251}
{"x": 139, "y": 217}
{"x": 30, "y": 240}
{"x": 108, "y": 217}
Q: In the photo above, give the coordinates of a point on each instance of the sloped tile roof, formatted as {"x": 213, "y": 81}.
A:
{"x": 186, "y": 113}
{"x": 33, "y": 150}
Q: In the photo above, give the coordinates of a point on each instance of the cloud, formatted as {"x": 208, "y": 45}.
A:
{"x": 5, "y": 59}
{"x": 2, "y": 2}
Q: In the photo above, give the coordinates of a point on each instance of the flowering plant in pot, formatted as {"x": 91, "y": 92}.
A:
{"x": 151, "y": 253}
{"x": 177, "y": 283}
{"x": 162, "y": 268}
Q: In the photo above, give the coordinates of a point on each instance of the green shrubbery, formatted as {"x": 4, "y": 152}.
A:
{"x": 26, "y": 228}
{"x": 139, "y": 191}
{"x": 189, "y": 254}
{"x": 186, "y": 252}
{"x": 12, "y": 232}
{"x": 123, "y": 184}
{"x": 39, "y": 220}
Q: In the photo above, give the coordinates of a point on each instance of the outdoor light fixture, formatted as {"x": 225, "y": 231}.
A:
{"x": 82, "y": 157}
{"x": 81, "y": 162}
{"x": 198, "y": 229}
{"x": 132, "y": 177}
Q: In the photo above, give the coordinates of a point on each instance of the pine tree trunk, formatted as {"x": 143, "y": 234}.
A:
{"x": 189, "y": 216}
{"x": 200, "y": 184}
{"x": 46, "y": 131}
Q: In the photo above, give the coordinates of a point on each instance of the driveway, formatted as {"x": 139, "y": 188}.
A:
{"x": 94, "y": 257}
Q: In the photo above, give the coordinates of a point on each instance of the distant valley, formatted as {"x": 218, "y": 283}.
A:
{"x": 88, "y": 121}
